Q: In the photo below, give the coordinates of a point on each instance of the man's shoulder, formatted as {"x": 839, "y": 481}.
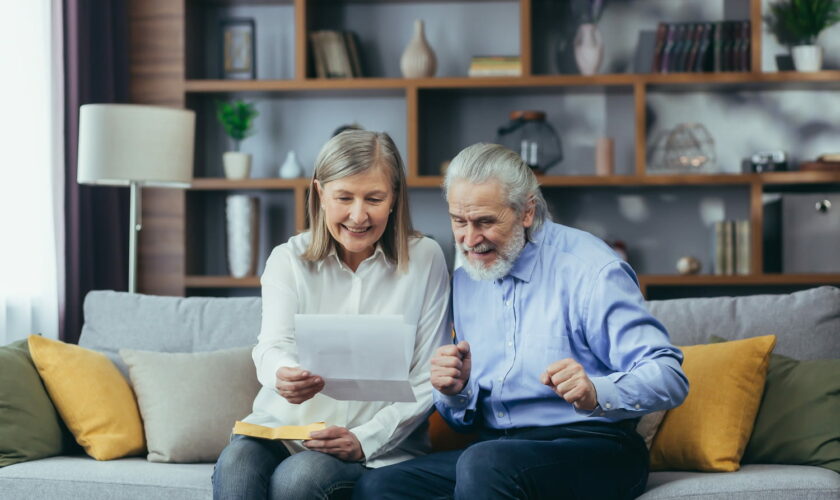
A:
{"x": 576, "y": 247}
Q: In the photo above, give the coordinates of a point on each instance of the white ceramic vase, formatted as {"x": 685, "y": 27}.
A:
{"x": 242, "y": 231}
{"x": 807, "y": 57}
{"x": 418, "y": 60}
{"x": 237, "y": 165}
{"x": 589, "y": 49}
{"x": 290, "y": 169}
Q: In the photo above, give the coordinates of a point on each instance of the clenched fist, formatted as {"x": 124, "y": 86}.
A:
{"x": 297, "y": 385}
{"x": 451, "y": 368}
{"x": 569, "y": 380}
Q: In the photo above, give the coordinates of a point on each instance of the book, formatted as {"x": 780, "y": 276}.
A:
{"x": 495, "y": 66}
{"x": 719, "y": 246}
{"x": 318, "y": 57}
{"x": 282, "y": 432}
{"x": 743, "y": 257}
{"x": 659, "y": 47}
{"x": 350, "y": 40}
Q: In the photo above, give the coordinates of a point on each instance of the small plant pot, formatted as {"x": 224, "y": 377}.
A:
{"x": 807, "y": 57}
{"x": 237, "y": 165}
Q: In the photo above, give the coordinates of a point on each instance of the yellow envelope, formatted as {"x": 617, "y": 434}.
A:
{"x": 282, "y": 432}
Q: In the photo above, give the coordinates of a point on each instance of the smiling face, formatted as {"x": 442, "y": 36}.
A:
{"x": 356, "y": 210}
{"x": 488, "y": 232}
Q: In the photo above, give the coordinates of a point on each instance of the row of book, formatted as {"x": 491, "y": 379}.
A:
{"x": 335, "y": 54}
{"x": 732, "y": 247}
{"x": 495, "y": 66}
{"x": 702, "y": 47}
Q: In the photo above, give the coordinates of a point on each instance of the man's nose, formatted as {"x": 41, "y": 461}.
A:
{"x": 473, "y": 236}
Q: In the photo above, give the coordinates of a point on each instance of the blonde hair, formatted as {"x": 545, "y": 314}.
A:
{"x": 483, "y": 162}
{"x": 349, "y": 153}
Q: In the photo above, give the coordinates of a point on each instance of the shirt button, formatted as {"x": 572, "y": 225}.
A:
{"x": 637, "y": 406}
{"x": 501, "y": 414}
{"x": 608, "y": 405}
{"x": 508, "y": 303}
{"x": 510, "y": 344}
{"x": 469, "y": 392}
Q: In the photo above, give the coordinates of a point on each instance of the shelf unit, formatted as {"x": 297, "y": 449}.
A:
{"x": 167, "y": 42}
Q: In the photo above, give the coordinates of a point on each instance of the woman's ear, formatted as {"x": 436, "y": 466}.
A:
{"x": 319, "y": 189}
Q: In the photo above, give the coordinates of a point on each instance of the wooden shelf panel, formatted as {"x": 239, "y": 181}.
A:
{"x": 674, "y": 80}
{"x": 221, "y": 282}
{"x": 775, "y": 178}
{"x": 648, "y": 280}
{"x": 221, "y": 184}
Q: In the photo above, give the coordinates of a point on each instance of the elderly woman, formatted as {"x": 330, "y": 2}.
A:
{"x": 361, "y": 256}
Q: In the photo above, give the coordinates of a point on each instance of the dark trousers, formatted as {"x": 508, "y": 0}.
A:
{"x": 576, "y": 461}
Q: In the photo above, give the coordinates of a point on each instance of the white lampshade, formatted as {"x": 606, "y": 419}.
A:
{"x": 121, "y": 143}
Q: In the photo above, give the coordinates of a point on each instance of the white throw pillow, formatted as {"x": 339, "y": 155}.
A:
{"x": 190, "y": 401}
{"x": 649, "y": 424}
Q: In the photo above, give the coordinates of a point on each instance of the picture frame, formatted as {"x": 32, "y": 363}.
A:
{"x": 238, "y": 52}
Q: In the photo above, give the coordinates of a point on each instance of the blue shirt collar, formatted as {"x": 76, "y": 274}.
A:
{"x": 523, "y": 268}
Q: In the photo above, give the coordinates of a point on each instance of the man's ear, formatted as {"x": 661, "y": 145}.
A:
{"x": 528, "y": 216}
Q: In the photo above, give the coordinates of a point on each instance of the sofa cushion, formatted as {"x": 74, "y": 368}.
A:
{"x": 191, "y": 420}
{"x": 806, "y": 323}
{"x": 752, "y": 482}
{"x": 61, "y": 478}
{"x": 29, "y": 424}
{"x": 710, "y": 430}
{"x": 799, "y": 418}
{"x": 120, "y": 320}
{"x": 93, "y": 399}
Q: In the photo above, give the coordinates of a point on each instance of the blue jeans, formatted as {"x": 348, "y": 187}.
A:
{"x": 576, "y": 461}
{"x": 251, "y": 468}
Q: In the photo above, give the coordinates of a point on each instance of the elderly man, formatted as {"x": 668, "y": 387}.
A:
{"x": 556, "y": 356}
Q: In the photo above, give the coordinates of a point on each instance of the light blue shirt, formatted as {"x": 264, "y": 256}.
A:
{"x": 567, "y": 296}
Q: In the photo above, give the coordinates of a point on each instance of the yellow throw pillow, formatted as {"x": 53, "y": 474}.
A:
{"x": 710, "y": 430}
{"x": 92, "y": 397}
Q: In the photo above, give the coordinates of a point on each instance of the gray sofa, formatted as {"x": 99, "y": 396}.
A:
{"x": 807, "y": 324}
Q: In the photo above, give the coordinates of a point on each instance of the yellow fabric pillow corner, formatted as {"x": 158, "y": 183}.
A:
{"x": 92, "y": 397}
{"x": 710, "y": 430}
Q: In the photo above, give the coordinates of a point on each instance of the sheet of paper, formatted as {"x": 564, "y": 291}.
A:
{"x": 282, "y": 432}
{"x": 362, "y": 357}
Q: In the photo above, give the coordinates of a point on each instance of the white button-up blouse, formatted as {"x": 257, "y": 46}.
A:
{"x": 388, "y": 432}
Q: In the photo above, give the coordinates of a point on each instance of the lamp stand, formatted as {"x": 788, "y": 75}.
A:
{"x": 135, "y": 225}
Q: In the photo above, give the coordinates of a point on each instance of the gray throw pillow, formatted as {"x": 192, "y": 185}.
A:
{"x": 190, "y": 401}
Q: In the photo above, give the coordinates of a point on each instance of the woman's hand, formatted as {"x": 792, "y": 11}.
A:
{"x": 297, "y": 385}
{"x": 338, "y": 442}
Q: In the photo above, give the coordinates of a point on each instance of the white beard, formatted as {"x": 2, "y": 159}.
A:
{"x": 505, "y": 257}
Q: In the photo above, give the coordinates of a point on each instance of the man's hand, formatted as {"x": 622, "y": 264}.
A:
{"x": 338, "y": 442}
{"x": 568, "y": 379}
{"x": 451, "y": 366}
{"x": 297, "y": 385}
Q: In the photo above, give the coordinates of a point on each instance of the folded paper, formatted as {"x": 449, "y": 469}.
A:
{"x": 282, "y": 432}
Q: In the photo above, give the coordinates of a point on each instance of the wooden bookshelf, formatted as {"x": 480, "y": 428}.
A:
{"x": 166, "y": 45}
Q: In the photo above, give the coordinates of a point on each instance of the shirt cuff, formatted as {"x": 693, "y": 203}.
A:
{"x": 466, "y": 399}
{"x": 608, "y": 397}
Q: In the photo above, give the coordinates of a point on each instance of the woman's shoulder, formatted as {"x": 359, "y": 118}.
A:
{"x": 423, "y": 250}
{"x": 292, "y": 249}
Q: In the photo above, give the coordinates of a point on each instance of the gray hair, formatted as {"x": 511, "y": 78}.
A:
{"x": 352, "y": 152}
{"x": 484, "y": 162}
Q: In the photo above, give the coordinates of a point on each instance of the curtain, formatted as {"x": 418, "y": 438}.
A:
{"x": 96, "y": 217}
{"x": 31, "y": 170}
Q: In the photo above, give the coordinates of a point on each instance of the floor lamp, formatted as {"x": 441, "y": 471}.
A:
{"x": 135, "y": 146}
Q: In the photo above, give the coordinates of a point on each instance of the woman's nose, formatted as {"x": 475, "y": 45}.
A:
{"x": 358, "y": 213}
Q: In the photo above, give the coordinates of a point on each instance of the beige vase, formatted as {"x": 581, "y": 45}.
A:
{"x": 237, "y": 165}
{"x": 418, "y": 60}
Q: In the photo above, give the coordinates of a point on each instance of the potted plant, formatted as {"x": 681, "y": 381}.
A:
{"x": 798, "y": 23}
{"x": 237, "y": 118}
{"x": 589, "y": 45}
